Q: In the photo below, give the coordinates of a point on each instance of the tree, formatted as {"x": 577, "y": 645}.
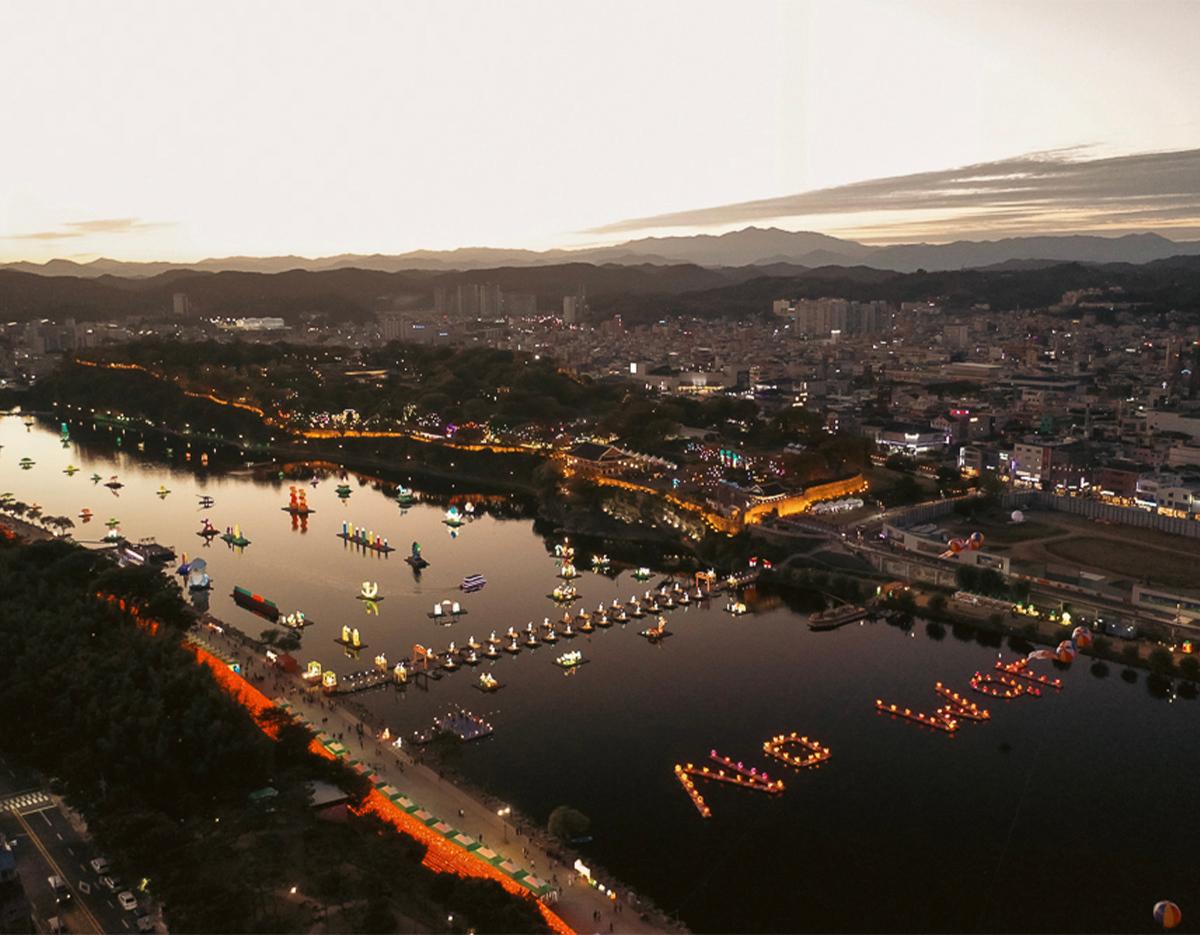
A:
{"x": 566, "y": 823}
{"x": 937, "y": 603}
{"x": 1161, "y": 660}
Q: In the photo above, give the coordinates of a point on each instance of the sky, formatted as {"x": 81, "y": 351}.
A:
{"x": 179, "y": 131}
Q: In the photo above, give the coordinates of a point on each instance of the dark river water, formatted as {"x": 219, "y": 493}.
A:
{"x": 1073, "y": 811}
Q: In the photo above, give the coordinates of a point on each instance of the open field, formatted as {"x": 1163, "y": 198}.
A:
{"x": 1131, "y": 553}
{"x": 999, "y": 530}
{"x": 1161, "y": 566}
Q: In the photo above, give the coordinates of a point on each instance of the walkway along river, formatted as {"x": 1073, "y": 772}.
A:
{"x": 993, "y": 827}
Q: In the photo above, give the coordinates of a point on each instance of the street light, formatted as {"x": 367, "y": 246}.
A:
{"x": 503, "y": 813}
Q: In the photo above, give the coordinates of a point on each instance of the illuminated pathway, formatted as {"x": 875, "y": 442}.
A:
{"x": 577, "y": 902}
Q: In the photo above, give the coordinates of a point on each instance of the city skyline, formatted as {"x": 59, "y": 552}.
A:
{"x": 211, "y": 133}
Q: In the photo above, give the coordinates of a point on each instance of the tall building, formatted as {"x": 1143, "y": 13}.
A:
{"x": 822, "y": 318}
{"x": 468, "y": 300}
{"x": 575, "y": 307}
{"x": 180, "y": 306}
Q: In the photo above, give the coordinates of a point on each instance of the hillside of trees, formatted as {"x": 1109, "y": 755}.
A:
{"x": 638, "y": 293}
{"x": 162, "y": 762}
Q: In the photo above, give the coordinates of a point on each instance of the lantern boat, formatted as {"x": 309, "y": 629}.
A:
{"x": 364, "y": 539}
{"x": 416, "y": 559}
{"x": 350, "y": 638}
{"x": 447, "y": 609}
{"x": 197, "y": 575}
{"x": 658, "y": 632}
{"x": 488, "y": 683}
{"x": 836, "y": 617}
{"x": 255, "y": 602}
{"x": 297, "y": 503}
{"x": 234, "y": 537}
{"x": 564, "y": 594}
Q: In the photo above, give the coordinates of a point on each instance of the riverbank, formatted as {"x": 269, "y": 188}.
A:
{"x": 11, "y": 527}
{"x": 1025, "y": 633}
{"x": 478, "y": 814}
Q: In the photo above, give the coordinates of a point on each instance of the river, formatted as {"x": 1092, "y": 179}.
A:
{"x": 1068, "y": 812}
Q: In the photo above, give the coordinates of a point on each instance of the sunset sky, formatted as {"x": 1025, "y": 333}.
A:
{"x": 180, "y": 131}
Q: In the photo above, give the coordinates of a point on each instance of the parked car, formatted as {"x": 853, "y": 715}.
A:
{"x": 112, "y": 883}
{"x": 55, "y": 925}
{"x": 145, "y": 921}
{"x": 100, "y": 865}
{"x": 58, "y": 886}
{"x": 127, "y": 900}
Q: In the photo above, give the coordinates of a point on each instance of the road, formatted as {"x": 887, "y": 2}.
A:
{"x": 45, "y": 843}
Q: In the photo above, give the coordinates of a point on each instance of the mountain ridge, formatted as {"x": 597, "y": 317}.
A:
{"x": 750, "y": 246}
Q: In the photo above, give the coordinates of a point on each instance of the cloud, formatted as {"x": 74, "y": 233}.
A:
{"x": 1056, "y": 189}
{"x": 105, "y": 226}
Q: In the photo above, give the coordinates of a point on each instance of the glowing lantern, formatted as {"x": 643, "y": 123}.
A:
{"x": 1167, "y": 914}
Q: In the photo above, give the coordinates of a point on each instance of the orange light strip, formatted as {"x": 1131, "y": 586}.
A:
{"x": 442, "y": 856}
{"x": 817, "y": 753}
{"x": 960, "y": 706}
{"x": 1019, "y": 668}
{"x": 938, "y": 721}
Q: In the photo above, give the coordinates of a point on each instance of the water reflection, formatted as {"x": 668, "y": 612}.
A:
{"x": 893, "y": 804}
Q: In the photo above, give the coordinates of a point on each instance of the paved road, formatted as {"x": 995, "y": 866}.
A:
{"x": 45, "y": 843}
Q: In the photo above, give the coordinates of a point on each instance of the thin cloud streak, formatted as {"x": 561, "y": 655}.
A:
{"x": 1040, "y": 190}
{"x": 105, "y": 226}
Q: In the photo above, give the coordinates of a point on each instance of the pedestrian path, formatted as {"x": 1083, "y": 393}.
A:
{"x": 401, "y": 805}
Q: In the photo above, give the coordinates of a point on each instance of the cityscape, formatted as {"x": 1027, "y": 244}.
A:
{"x": 690, "y": 556}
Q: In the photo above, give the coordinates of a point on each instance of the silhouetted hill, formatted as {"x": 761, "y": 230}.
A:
{"x": 639, "y": 293}
{"x": 1164, "y": 285}
{"x": 751, "y": 246}
{"x": 338, "y": 294}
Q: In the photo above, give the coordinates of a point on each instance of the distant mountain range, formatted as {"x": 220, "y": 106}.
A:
{"x": 752, "y": 246}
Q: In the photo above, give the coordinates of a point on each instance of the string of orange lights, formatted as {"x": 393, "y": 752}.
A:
{"x": 960, "y": 706}
{"x": 938, "y": 721}
{"x": 775, "y": 748}
{"x": 1001, "y": 686}
{"x": 441, "y": 855}
{"x": 750, "y": 773}
{"x": 1020, "y": 669}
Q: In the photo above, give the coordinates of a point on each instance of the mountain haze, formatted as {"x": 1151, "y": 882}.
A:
{"x": 752, "y": 246}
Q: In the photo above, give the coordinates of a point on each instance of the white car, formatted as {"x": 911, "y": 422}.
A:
{"x": 101, "y": 866}
{"x": 127, "y": 900}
